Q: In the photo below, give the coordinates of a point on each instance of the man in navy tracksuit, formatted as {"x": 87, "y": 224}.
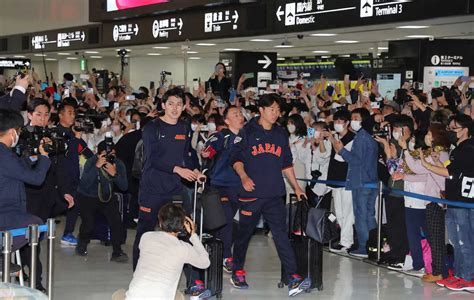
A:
{"x": 167, "y": 152}
{"x": 222, "y": 175}
{"x": 260, "y": 159}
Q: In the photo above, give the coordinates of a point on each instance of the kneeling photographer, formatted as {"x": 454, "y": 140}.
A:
{"x": 101, "y": 174}
{"x": 53, "y": 196}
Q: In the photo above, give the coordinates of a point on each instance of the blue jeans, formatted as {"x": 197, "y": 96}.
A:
{"x": 364, "y": 214}
{"x": 415, "y": 220}
{"x": 460, "y": 224}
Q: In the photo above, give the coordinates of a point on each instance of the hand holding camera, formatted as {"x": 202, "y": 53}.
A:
{"x": 46, "y": 141}
{"x": 101, "y": 160}
{"x": 190, "y": 226}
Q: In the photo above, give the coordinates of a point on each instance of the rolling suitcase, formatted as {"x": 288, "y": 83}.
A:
{"x": 308, "y": 252}
{"x": 212, "y": 276}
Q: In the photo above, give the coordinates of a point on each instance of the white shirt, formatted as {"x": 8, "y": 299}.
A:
{"x": 162, "y": 257}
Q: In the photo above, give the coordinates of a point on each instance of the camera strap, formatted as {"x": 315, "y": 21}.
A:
{"x": 99, "y": 188}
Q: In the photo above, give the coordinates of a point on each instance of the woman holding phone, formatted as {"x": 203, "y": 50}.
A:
{"x": 219, "y": 83}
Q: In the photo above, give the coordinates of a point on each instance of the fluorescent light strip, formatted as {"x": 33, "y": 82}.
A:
{"x": 261, "y": 40}
{"x": 205, "y": 44}
{"x": 323, "y": 34}
{"x": 194, "y": 58}
{"x": 64, "y": 53}
{"x": 382, "y": 48}
{"x": 346, "y": 42}
{"x": 232, "y": 49}
{"x": 161, "y": 47}
{"x": 71, "y": 58}
{"x": 193, "y": 52}
{"x": 51, "y": 59}
{"x": 321, "y": 51}
{"x": 284, "y": 46}
{"x": 91, "y": 52}
{"x": 413, "y": 27}
{"x": 420, "y": 36}
{"x": 154, "y": 54}
{"x": 95, "y": 56}
{"x": 280, "y": 58}
{"x": 40, "y": 55}
{"x": 19, "y": 56}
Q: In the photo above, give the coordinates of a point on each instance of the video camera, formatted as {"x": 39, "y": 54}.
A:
{"x": 31, "y": 137}
{"x": 86, "y": 121}
{"x": 109, "y": 146}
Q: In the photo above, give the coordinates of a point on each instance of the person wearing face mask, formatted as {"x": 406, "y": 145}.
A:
{"x": 394, "y": 147}
{"x": 434, "y": 185}
{"x": 297, "y": 134}
{"x": 459, "y": 174}
{"x": 14, "y": 174}
{"x": 362, "y": 169}
{"x": 337, "y": 171}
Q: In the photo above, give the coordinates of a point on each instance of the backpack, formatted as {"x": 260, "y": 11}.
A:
{"x": 210, "y": 163}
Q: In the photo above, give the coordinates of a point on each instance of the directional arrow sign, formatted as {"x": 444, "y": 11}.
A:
{"x": 136, "y": 29}
{"x": 27, "y": 64}
{"x": 266, "y": 61}
{"x": 180, "y": 24}
{"x": 235, "y": 16}
{"x": 279, "y": 13}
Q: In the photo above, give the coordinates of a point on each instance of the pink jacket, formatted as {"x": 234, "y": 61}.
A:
{"x": 434, "y": 183}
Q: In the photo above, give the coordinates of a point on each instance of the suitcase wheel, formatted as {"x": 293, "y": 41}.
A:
{"x": 280, "y": 285}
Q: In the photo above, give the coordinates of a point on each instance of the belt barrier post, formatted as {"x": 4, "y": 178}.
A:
{"x": 33, "y": 235}
{"x": 7, "y": 249}
{"x": 51, "y": 236}
{"x": 379, "y": 220}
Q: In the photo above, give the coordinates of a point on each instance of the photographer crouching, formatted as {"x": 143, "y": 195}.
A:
{"x": 95, "y": 192}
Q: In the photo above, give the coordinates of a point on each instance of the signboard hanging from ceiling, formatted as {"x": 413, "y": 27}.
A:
{"x": 65, "y": 39}
{"x": 15, "y": 63}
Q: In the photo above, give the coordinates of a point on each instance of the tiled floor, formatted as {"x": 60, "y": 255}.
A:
{"x": 94, "y": 277}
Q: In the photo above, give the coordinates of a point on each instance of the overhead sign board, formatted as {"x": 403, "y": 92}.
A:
{"x": 14, "y": 63}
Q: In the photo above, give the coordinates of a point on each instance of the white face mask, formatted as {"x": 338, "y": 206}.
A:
{"x": 356, "y": 125}
{"x": 211, "y": 126}
{"x": 15, "y": 139}
{"x": 338, "y": 128}
{"x": 411, "y": 146}
{"x": 194, "y": 127}
{"x": 397, "y": 135}
{"x": 291, "y": 128}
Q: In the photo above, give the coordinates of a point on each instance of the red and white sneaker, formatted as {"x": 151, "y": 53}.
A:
{"x": 461, "y": 285}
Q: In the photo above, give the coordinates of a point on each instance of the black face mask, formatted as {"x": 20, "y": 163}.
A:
{"x": 452, "y": 137}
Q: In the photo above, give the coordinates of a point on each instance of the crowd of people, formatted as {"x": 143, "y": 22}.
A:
{"x": 255, "y": 147}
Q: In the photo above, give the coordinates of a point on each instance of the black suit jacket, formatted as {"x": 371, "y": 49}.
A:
{"x": 14, "y": 101}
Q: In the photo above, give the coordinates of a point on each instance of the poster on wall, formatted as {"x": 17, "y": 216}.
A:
{"x": 435, "y": 77}
{"x": 389, "y": 83}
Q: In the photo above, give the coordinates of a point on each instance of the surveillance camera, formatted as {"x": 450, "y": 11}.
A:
{"x": 431, "y": 38}
{"x": 300, "y": 36}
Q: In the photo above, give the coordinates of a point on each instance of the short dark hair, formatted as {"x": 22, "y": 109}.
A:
{"x": 267, "y": 100}
{"x": 63, "y": 105}
{"x": 223, "y": 66}
{"x": 404, "y": 121}
{"x": 33, "y": 104}
{"x": 171, "y": 217}
{"x": 342, "y": 114}
{"x": 227, "y": 109}
{"x": 440, "y": 135}
{"x": 464, "y": 121}
{"x": 10, "y": 119}
{"x": 68, "y": 77}
{"x": 364, "y": 113}
{"x": 176, "y": 92}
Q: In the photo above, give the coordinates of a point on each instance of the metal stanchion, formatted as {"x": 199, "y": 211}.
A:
{"x": 379, "y": 220}
{"x": 33, "y": 235}
{"x": 51, "y": 236}
{"x": 7, "y": 249}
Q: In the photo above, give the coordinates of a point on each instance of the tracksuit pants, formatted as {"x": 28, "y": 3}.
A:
{"x": 274, "y": 213}
{"x": 230, "y": 204}
{"x": 396, "y": 228}
{"x": 148, "y": 216}
{"x": 344, "y": 214}
{"x": 416, "y": 223}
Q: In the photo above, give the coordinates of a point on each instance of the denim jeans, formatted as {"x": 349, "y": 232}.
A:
{"x": 460, "y": 224}
{"x": 364, "y": 214}
{"x": 415, "y": 223}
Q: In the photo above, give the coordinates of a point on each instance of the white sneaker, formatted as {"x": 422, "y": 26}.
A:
{"x": 396, "y": 267}
{"x": 417, "y": 273}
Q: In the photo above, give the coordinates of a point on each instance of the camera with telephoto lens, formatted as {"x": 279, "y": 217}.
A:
{"x": 32, "y": 136}
{"x": 382, "y": 132}
{"x": 86, "y": 121}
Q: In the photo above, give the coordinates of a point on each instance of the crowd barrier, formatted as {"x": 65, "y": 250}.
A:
{"x": 31, "y": 233}
{"x": 384, "y": 189}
